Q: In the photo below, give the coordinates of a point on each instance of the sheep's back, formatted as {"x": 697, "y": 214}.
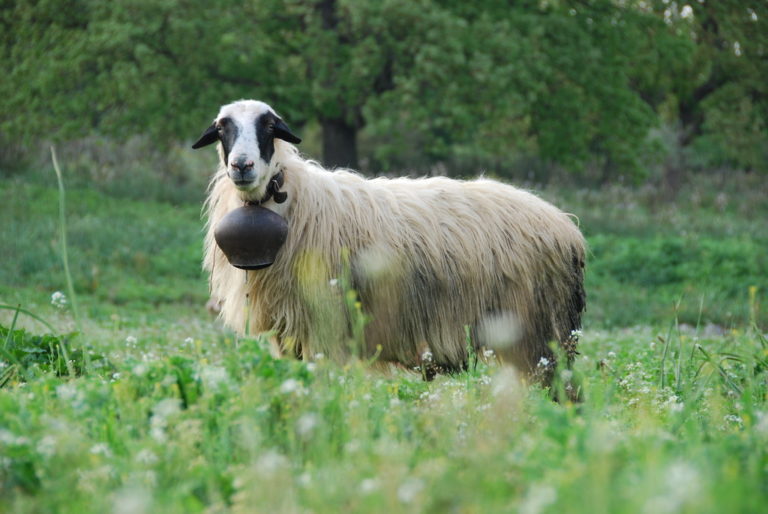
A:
{"x": 429, "y": 257}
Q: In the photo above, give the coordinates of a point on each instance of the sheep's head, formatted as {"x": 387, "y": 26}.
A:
{"x": 247, "y": 130}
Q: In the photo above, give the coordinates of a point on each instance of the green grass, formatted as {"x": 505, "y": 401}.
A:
{"x": 216, "y": 423}
{"x": 175, "y": 414}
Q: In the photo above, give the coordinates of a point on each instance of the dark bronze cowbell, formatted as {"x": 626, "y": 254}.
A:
{"x": 251, "y": 236}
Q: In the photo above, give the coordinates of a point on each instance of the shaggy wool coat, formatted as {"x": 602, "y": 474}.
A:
{"x": 395, "y": 268}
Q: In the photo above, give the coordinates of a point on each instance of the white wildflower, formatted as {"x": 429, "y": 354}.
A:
{"x": 131, "y": 341}
{"x": 369, "y": 485}
{"x": 426, "y": 356}
{"x": 66, "y": 392}
{"x": 140, "y": 369}
{"x": 70, "y": 393}
{"x": 352, "y": 446}
{"x": 132, "y": 500}
{"x": 611, "y": 355}
{"x": 291, "y": 386}
{"x": 8, "y": 438}
{"x": 489, "y": 354}
{"x": 762, "y": 423}
{"x": 682, "y": 484}
{"x": 538, "y": 498}
{"x": 305, "y": 479}
{"x": 146, "y": 477}
{"x": 306, "y": 424}
{"x": 543, "y": 362}
{"x": 270, "y": 462}
{"x": 430, "y": 396}
{"x": 47, "y": 446}
{"x": 146, "y": 456}
{"x": 159, "y": 420}
{"x": 409, "y": 490}
{"x": 59, "y": 300}
{"x": 91, "y": 480}
{"x": 166, "y": 408}
{"x": 101, "y": 449}
{"x": 333, "y": 282}
{"x": 157, "y": 432}
{"x": 673, "y": 404}
{"x": 215, "y": 378}
{"x": 311, "y": 367}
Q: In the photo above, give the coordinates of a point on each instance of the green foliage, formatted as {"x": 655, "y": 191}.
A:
{"x": 24, "y": 356}
{"x": 217, "y": 423}
{"x": 578, "y": 85}
{"x": 119, "y": 251}
{"x": 700, "y": 279}
{"x": 728, "y": 264}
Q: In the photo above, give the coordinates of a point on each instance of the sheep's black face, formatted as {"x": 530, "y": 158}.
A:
{"x": 247, "y": 131}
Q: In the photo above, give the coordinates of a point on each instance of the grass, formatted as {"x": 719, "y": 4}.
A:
{"x": 217, "y": 424}
{"x": 176, "y": 414}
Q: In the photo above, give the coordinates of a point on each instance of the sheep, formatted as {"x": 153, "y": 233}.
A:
{"x": 431, "y": 263}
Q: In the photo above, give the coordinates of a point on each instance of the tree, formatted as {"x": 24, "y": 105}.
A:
{"x": 718, "y": 98}
{"x": 573, "y": 82}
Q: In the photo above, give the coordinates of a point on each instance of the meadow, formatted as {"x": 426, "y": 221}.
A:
{"x": 142, "y": 402}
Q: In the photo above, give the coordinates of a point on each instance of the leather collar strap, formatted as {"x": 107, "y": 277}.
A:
{"x": 273, "y": 190}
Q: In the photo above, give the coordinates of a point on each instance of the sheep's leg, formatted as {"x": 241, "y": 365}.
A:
{"x": 274, "y": 347}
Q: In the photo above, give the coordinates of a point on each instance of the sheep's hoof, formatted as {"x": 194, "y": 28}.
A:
{"x": 251, "y": 236}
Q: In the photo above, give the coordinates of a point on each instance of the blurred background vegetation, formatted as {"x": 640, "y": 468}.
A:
{"x": 647, "y": 119}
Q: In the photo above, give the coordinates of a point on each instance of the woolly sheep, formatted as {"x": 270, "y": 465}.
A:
{"x": 433, "y": 262}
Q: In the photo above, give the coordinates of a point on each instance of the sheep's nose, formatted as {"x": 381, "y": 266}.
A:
{"x": 242, "y": 164}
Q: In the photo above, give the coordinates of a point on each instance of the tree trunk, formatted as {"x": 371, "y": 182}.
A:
{"x": 339, "y": 144}
{"x": 674, "y": 164}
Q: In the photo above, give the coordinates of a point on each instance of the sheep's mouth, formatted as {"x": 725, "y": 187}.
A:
{"x": 244, "y": 185}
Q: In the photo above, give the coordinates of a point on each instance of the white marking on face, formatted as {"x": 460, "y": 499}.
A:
{"x": 245, "y": 145}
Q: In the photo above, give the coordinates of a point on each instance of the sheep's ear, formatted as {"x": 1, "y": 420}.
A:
{"x": 283, "y": 132}
{"x": 211, "y": 135}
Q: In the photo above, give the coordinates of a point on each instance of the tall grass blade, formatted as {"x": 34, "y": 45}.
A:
{"x": 65, "y": 261}
{"x": 8, "y": 354}
{"x": 13, "y": 326}
{"x": 32, "y": 315}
